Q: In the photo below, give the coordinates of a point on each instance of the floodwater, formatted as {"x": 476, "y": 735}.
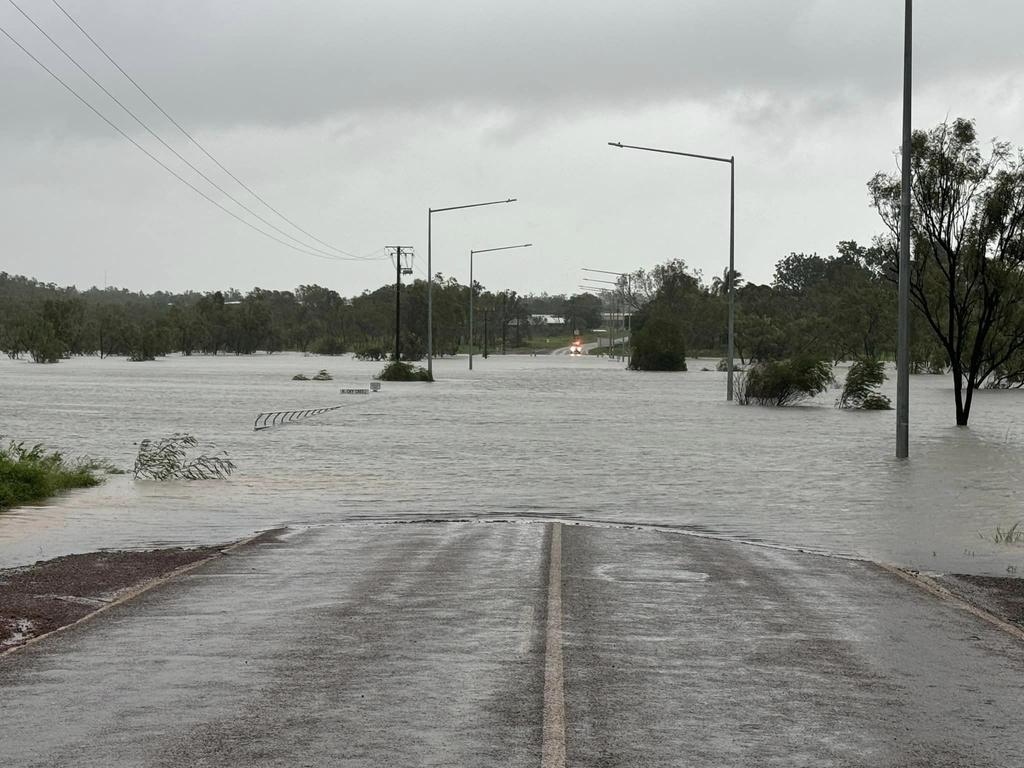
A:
{"x": 546, "y": 436}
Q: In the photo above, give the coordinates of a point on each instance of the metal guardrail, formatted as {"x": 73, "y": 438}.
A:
{"x": 277, "y": 418}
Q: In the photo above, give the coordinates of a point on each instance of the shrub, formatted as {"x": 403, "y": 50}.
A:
{"x": 371, "y": 352}
{"x": 876, "y": 402}
{"x": 300, "y": 377}
{"x": 323, "y": 376}
{"x": 167, "y": 459}
{"x": 33, "y": 474}
{"x": 1002, "y": 378}
{"x": 399, "y": 371}
{"x": 660, "y": 345}
{"x": 862, "y": 381}
{"x": 784, "y": 382}
{"x": 1011, "y": 535}
{"x": 328, "y": 345}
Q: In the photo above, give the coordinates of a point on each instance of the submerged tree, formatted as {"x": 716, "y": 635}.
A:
{"x": 783, "y": 382}
{"x": 861, "y": 387}
{"x": 967, "y": 270}
{"x": 168, "y": 459}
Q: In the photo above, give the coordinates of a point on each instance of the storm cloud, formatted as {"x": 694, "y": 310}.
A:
{"x": 355, "y": 116}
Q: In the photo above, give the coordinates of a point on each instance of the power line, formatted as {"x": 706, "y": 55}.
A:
{"x": 192, "y": 138}
{"x": 152, "y": 133}
{"x": 157, "y": 160}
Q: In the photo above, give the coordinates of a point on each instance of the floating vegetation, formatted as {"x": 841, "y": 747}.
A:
{"x": 168, "y": 459}
{"x": 300, "y": 377}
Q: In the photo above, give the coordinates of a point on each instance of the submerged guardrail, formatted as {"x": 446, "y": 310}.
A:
{"x": 270, "y": 419}
{"x": 277, "y": 418}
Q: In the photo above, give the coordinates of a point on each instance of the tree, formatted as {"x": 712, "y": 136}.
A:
{"x": 720, "y": 285}
{"x": 967, "y": 270}
{"x": 662, "y": 324}
{"x": 658, "y": 340}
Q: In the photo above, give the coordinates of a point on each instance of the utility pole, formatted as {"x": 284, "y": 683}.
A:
{"x": 487, "y": 314}
{"x": 397, "y": 251}
{"x": 504, "y": 320}
{"x": 903, "y": 288}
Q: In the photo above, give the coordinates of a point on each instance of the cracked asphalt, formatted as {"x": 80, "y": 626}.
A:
{"x": 429, "y": 645}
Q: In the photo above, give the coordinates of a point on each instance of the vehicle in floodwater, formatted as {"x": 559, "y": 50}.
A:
{"x": 576, "y": 348}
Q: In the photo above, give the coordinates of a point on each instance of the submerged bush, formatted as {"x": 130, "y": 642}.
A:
{"x": 399, "y": 371}
{"x": 167, "y": 459}
{"x": 323, "y": 376}
{"x": 860, "y": 389}
{"x": 1002, "y": 378}
{"x": 33, "y": 474}
{"x": 300, "y": 377}
{"x": 371, "y": 352}
{"x": 783, "y": 382}
{"x": 328, "y": 345}
{"x": 1011, "y": 535}
{"x": 659, "y": 345}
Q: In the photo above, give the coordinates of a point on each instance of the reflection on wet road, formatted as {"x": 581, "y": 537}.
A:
{"x": 432, "y": 644}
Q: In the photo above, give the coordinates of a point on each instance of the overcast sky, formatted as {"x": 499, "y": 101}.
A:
{"x": 352, "y": 118}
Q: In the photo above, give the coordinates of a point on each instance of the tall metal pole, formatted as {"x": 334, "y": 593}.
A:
{"x": 471, "y": 254}
{"x": 430, "y": 273}
{"x": 471, "y": 310}
{"x": 732, "y": 275}
{"x": 430, "y": 301}
{"x": 398, "y": 303}
{"x": 903, "y": 306}
{"x": 732, "y": 239}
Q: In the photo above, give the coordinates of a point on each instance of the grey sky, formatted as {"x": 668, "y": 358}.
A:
{"x": 354, "y": 117}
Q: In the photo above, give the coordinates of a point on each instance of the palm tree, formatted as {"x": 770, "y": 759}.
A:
{"x": 720, "y": 285}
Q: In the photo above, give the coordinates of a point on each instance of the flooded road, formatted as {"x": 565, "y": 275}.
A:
{"x": 549, "y": 437}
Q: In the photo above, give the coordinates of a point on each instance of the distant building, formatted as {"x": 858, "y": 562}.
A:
{"x": 547, "y": 320}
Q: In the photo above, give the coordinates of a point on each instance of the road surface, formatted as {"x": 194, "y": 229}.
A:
{"x": 591, "y": 345}
{"x": 532, "y": 644}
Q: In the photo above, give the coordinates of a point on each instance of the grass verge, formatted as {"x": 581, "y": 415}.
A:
{"x": 30, "y": 474}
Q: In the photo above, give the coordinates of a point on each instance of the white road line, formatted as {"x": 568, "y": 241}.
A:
{"x": 553, "y": 753}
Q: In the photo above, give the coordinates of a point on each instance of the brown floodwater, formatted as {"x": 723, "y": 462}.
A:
{"x": 522, "y": 437}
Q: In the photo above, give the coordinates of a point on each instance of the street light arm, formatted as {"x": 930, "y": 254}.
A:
{"x": 471, "y": 255}
{"x": 620, "y": 145}
{"x": 502, "y": 248}
{"x": 430, "y": 274}
{"x": 471, "y": 205}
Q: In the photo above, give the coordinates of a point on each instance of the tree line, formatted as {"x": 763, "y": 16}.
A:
{"x": 966, "y": 280}
{"x": 46, "y": 323}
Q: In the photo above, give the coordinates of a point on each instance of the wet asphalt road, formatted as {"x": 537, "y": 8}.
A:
{"x": 430, "y": 645}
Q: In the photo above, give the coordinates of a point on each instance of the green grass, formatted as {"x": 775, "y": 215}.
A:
{"x": 30, "y": 474}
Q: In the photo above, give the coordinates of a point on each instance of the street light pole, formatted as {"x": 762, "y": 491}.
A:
{"x": 430, "y": 273}
{"x": 471, "y": 254}
{"x": 623, "y": 276}
{"x": 903, "y": 288}
{"x": 732, "y": 241}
